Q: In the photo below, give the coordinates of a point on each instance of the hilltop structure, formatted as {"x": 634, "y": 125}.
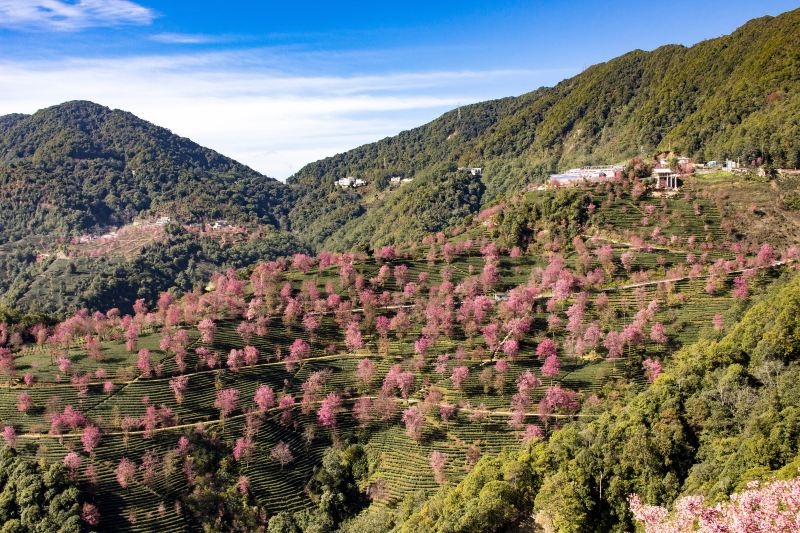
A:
{"x": 587, "y": 174}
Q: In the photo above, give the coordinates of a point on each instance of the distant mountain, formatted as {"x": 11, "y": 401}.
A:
{"x": 735, "y": 97}
{"x": 6, "y": 121}
{"x": 79, "y": 165}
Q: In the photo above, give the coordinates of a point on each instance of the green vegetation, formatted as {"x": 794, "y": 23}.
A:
{"x": 442, "y": 199}
{"x": 38, "y": 497}
{"x": 77, "y": 166}
{"x": 724, "y": 413}
{"x": 730, "y": 97}
{"x": 181, "y": 261}
{"x": 195, "y": 449}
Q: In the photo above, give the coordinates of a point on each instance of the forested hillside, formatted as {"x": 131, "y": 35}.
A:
{"x": 77, "y": 166}
{"x": 533, "y": 368}
{"x": 81, "y": 168}
{"x": 735, "y": 97}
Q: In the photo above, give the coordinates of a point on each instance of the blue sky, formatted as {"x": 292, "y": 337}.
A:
{"x": 278, "y": 84}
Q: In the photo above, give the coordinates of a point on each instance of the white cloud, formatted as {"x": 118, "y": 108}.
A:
{"x": 270, "y": 120}
{"x": 64, "y": 15}
{"x": 185, "y": 38}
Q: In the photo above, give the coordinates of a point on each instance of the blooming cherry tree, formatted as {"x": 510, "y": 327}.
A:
{"x": 438, "y": 463}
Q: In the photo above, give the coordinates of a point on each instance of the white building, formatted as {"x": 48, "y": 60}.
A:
{"x": 594, "y": 172}
{"x": 475, "y": 171}
{"x": 665, "y": 178}
{"x": 350, "y": 181}
{"x": 591, "y": 174}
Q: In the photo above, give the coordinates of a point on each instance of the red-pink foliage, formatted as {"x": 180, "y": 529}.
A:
{"x": 551, "y": 366}
{"x": 773, "y": 506}
{"x": 353, "y": 338}
{"x": 459, "y": 376}
{"x": 179, "y": 386}
{"x": 226, "y": 401}
{"x": 652, "y": 369}
{"x": 264, "y": 398}
{"x": 546, "y": 348}
{"x": 438, "y": 463}
{"x": 143, "y": 362}
{"x": 558, "y": 401}
{"x": 90, "y": 438}
{"x": 10, "y": 436}
{"x": 126, "y": 471}
{"x": 282, "y": 454}
{"x": 414, "y": 421}
{"x": 365, "y": 371}
{"x": 207, "y": 329}
{"x": 326, "y": 416}
{"x": 24, "y": 402}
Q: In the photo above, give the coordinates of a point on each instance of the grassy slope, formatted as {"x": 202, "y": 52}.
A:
{"x": 402, "y": 462}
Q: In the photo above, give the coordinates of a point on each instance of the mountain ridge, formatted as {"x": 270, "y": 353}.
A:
{"x": 119, "y": 166}
{"x": 718, "y": 98}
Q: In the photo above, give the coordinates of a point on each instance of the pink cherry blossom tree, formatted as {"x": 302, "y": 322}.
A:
{"x": 326, "y": 416}
{"x": 131, "y": 337}
{"x": 614, "y": 343}
{"x": 365, "y": 371}
{"x": 459, "y": 376}
{"x": 207, "y": 329}
{"x": 73, "y": 462}
{"x": 125, "y": 472}
{"x": 286, "y": 405}
{"x": 235, "y": 360}
{"x": 264, "y": 398}
{"x": 143, "y": 362}
{"x": 10, "y": 436}
{"x": 558, "y": 401}
{"x": 353, "y": 339}
{"x": 362, "y": 410}
{"x": 414, "y": 422}
{"x": 438, "y": 463}
{"x": 90, "y": 438}
{"x": 741, "y": 289}
{"x": 281, "y": 454}
{"x": 90, "y": 513}
{"x": 719, "y": 322}
{"x": 652, "y": 369}
{"x": 226, "y": 401}
{"x": 546, "y": 348}
{"x": 773, "y": 506}
{"x": 298, "y": 351}
{"x": 551, "y": 366}
{"x": 250, "y": 355}
{"x": 24, "y": 402}
{"x": 532, "y": 433}
{"x": 243, "y": 448}
{"x": 658, "y": 333}
{"x": 179, "y": 386}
